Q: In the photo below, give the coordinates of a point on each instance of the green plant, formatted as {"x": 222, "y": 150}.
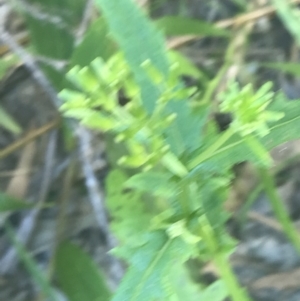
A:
{"x": 166, "y": 197}
{"x": 172, "y": 165}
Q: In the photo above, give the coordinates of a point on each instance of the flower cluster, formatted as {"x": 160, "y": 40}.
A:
{"x": 94, "y": 100}
{"x": 249, "y": 108}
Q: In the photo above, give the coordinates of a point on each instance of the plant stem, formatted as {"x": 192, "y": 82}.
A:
{"x": 222, "y": 261}
{"x": 278, "y": 208}
{"x": 258, "y": 149}
{"x": 242, "y": 216}
{"x": 215, "y": 82}
{"x": 209, "y": 152}
{"x": 235, "y": 291}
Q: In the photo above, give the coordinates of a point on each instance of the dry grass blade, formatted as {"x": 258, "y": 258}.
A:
{"x": 29, "y": 137}
{"x": 236, "y": 21}
{"x": 19, "y": 183}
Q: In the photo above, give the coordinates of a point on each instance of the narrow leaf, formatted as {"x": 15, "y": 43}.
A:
{"x": 289, "y": 15}
{"x": 96, "y": 43}
{"x": 176, "y": 25}
{"x": 186, "y": 66}
{"x": 130, "y": 27}
{"x": 291, "y": 68}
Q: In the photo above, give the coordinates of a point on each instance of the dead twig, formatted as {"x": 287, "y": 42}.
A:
{"x": 262, "y": 219}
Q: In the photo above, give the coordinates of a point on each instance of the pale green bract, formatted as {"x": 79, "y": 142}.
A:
{"x": 96, "y": 104}
{"x": 249, "y": 108}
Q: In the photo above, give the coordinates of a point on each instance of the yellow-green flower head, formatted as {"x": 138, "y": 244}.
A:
{"x": 249, "y": 108}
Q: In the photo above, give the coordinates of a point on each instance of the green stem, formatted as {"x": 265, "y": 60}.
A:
{"x": 235, "y": 291}
{"x": 242, "y": 215}
{"x": 209, "y": 152}
{"x": 215, "y": 82}
{"x": 278, "y": 208}
{"x": 258, "y": 149}
{"x": 174, "y": 165}
{"x": 222, "y": 262}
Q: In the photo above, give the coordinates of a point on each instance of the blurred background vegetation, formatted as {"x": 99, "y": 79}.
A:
{"x": 45, "y": 163}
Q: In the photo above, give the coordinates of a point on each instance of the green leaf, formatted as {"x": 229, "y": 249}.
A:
{"x": 129, "y": 217}
{"x": 185, "y": 131}
{"x": 155, "y": 183}
{"x": 216, "y": 291}
{"x": 236, "y": 150}
{"x": 212, "y": 199}
{"x": 186, "y": 67}
{"x": 187, "y": 290}
{"x": 129, "y": 26}
{"x": 79, "y": 276}
{"x": 96, "y": 43}
{"x": 148, "y": 275}
{"x": 287, "y": 127}
{"x": 289, "y": 14}
{"x": 176, "y": 25}
{"x": 182, "y": 287}
{"x": 52, "y": 35}
{"x": 291, "y": 68}
{"x": 116, "y": 150}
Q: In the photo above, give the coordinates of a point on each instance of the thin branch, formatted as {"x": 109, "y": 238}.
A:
{"x": 84, "y": 22}
{"x": 31, "y": 64}
{"x": 97, "y": 199}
